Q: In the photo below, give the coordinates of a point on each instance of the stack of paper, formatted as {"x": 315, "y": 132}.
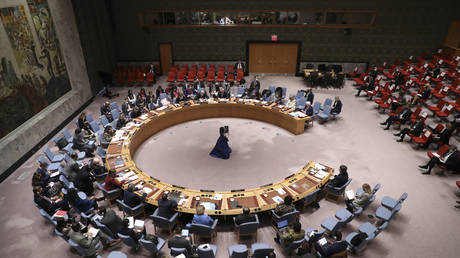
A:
{"x": 217, "y": 197}
{"x": 350, "y": 194}
{"x": 139, "y": 224}
{"x": 209, "y": 205}
{"x": 321, "y": 174}
{"x": 281, "y": 191}
{"x": 147, "y": 190}
{"x": 162, "y": 108}
{"x": 181, "y": 201}
{"x": 319, "y": 166}
{"x": 131, "y": 222}
{"x": 277, "y": 199}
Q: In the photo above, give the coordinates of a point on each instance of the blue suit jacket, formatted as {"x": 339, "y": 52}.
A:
{"x": 132, "y": 199}
{"x": 203, "y": 219}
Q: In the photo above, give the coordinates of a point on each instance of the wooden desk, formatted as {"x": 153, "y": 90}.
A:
{"x": 227, "y": 202}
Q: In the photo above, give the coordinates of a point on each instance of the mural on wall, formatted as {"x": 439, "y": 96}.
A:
{"x": 41, "y": 76}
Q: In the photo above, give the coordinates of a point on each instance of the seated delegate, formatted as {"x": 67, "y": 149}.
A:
{"x": 245, "y": 217}
{"x": 179, "y": 241}
{"x": 450, "y": 160}
{"x": 285, "y": 207}
{"x": 291, "y": 234}
{"x": 201, "y": 218}
{"x": 166, "y": 208}
{"x": 359, "y": 200}
{"x": 131, "y": 199}
{"x": 340, "y": 179}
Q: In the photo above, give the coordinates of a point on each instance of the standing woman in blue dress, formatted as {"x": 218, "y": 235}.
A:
{"x": 222, "y": 150}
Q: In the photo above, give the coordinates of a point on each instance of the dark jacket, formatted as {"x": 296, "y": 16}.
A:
{"x": 180, "y": 242}
{"x": 112, "y": 221}
{"x": 337, "y": 107}
{"x": 309, "y": 111}
{"x": 166, "y": 208}
{"x": 240, "y": 219}
{"x": 339, "y": 180}
{"x": 330, "y": 249}
{"x": 132, "y": 199}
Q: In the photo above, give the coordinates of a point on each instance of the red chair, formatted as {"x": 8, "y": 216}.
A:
{"x": 220, "y": 76}
{"x": 438, "y": 107}
{"x": 230, "y": 77}
{"x": 386, "y": 104}
{"x": 180, "y": 77}
{"x": 140, "y": 77}
{"x": 455, "y": 87}
{"x": 396, "y": 112}
{"x": 390, "y": 74}
{"x": 200, "y": 76}
{"x": 423, "y": 139}
{"x": 414, "y": 115}
{"x": 239, "y": 76}
{"x": 122, "y": 76}
{"x": 211, "y": 75}
{"x": 171, "y": 77}
{"x": 442, "y": 92}
{"x": 439, "y": 128}
{"x": 458, "y": 183}
{"x": 230, "y": 68}
{"x": 150, "y": 77}
{"x": 445, "y": 111}
{"x": 383, "y": 99}
{"x": 131, "y": 76}
{"x": 444, "y": 148}
{"x": 372, "y": 93}
{"x": 191, "y": 75}
{"x": 361, "y": 80}
{"x": 353, "y": 74}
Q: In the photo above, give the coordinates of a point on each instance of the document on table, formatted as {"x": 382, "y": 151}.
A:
{"x": 209, "y": 205}
{"x": 139, "y": 224}
{"x": 217, "y": 197}
{"x": 146, "y": 190}
{"x": 281, "y": 191}
{"x": 322, "y": 241}
{"x": 350, "y": 194}
{"x": 93, "y": 231}
{"x": 181, "y": 201}
{"x": 277, "y": 199}
{"x": 321, "y": 174}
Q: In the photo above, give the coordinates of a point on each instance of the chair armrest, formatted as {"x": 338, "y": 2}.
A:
{"x": 138, "y": 206}
{"x": 234, "y": 223}
{"x": 213, "y": 227}
{"x": 174, "y": 217}
{"x": 114, "y": 191}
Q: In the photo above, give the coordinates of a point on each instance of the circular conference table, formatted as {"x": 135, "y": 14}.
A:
{"x": 126, "y": 141}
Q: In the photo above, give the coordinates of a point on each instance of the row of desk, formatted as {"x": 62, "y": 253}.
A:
{"x": 129, "y": 138}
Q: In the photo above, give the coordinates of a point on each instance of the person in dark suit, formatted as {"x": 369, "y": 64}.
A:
{"x": 105, "y": 110}
{"x": 416, "y": 129}
{"x": 222, "y": 93}
{"x": 179, "y": 241}
{"x": 130, "y": 198}
{"x": 367, "y": 86}
{"x": 82, "y": 205}
{"x": 97, "y": 167}
{"x": 122, "y": 121}
{"x": 84, "y": 181}
{"x": 402, "y": 117}
{"x": 331, "y": 248}
{"x": 125, "y": 230}
{"x": 245, "y": 217}
{"x": 201, "y": 95}
{"x": 310, "y": 96}
{"x": 340, "y": 179}
{"x": 111, "y": 220}
{"x": 238, "y": 65}
{"x": 50, "y": 205}
{"x": 308, "y": 109}
{"x": 450, "y": 160}
{"x": 336, "y": 106}
{"x": 166, "y": 208}
{"x": 126, "y": 107}
{"x": 255, "y": 83}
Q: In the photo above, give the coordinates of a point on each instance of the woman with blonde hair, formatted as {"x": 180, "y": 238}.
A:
{"x": 359, "y": 200}
{"x": 201, "y": 218}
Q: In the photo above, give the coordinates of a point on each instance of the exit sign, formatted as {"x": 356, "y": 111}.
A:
{"x": 274, "y": 37}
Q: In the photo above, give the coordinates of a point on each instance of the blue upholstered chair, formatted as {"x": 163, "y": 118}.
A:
{"x": 105, "y": 229}
{"x": 61, "y": 235}
{"x": 331, "y": 225}
{"x": 135, "y": 211}
{"x": 51, "y": 166}
{"x": 150, "y": 246}
{"x": 344, "y": 216}
{"x": 80, "y": 154}
{"x": 116, "y": 116}
{"x": 323, "y": 116}
{"x": 327, "y": 102}
{"x": 272, "y": 88}
{"x": 334, "y": 193}
{"x": 316, "y": 108}
{"x": 290, "y": 217}
{"x": 311, "y": 197}
{"x": 238, "y": 251}
{"x": 105, "y": 122}
{"x": 48, "y": 217}
{"x": 109, "y": 195}
{"x": 261, "y": 250}
{"x": 391, "y": 203}
{"x": 96, "y": 128}
{"x": 300, "y": 103}
{"x": 353, "y": 248}
{"x": 67, "y": 135}
{"x": 162, "y": 222}
{"x": 200, "y": 230}
{"x": 116, "y": 254}
{"x": 129, "y": 241}
{"x": 310, "y": 237}
{"x": 114, "y": 105}
{"x": 247, "y": 229}
{"x": 66, "y": 182}
{"x": 53, "y": 157}
{"x": 207, "y": 251}
{"x": 101, "y": 153}
{"x": 177, "y": 251}
{"x": 292, "y": 246}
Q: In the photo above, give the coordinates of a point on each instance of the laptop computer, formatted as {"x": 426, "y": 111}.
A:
{"x": 282, "y": 224}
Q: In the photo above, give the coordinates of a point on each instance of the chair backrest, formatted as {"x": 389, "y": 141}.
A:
{"x": 342, "y": 254}
{"x": 301, "y": 102}
{"x": 326, "y": 110}
{"x": 311, "y": 196}
{"x": 49, "y": 154}
{"x": 403, "y": 197}
{"x": 327, "y": 102}
{"x": 114, "y": 105}
{"x": 95, "y": 126}
{"x": 249, "y": 227}
{"x": 104, "y": 120}
{"x": 316, "y": 106}
{"x": 272, "y": 88}
{"x": 376, "y": 188}
{"x": 149, "y": 245}
{"x": 163, "y": 96}
{"x": 128, "y": 240}
{"x": 158, "y": 220}
{"x": 261, "y": 253}
{"x": 240, "y": 253}
{"x": 294, "y": 245}
{"x": 101, "y": 152}
{"x": 105, "y": 229}
{"x": 200, "y": 229}
{"x": 205, "y": 252}
{"x": 240, "y": 90}
{"x": 115, "y": 113}
{"x": 177, "y": 251}
{"x": 444, "y": 148}
{"x": 299, "y": 94}
{"x": 66, "y": 134}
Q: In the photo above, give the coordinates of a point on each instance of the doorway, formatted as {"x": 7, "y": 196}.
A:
{"x": 273, "y": 57}
{"x": 166, "y": 60}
